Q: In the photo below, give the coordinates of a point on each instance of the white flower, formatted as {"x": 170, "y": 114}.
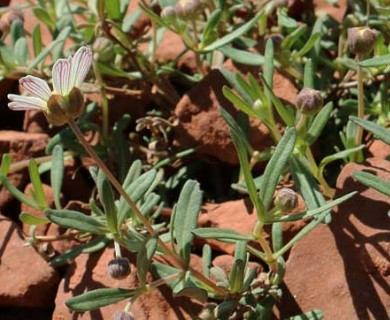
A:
{"x": 67, "y": 74}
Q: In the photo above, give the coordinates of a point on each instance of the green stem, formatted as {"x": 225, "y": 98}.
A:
{"x": 199, "y": 65}
{"x": 172, "y": 257}
{"x": 269, "y": 257}
{"x": 359, "y": 132}
{"x": 329, "y": 192}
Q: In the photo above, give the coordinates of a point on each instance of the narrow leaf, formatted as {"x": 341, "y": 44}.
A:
{"x": 276, "y": 166}
{"x": 382, "y": 133}
{"x": 76, "y": 220}
{"x": 221, "y": 234}
{"x": 318, "y": 124}
{"x": 57, "y": 174}
{"x": 186, "y": 217}
{"x": 144, "y": 258}
{"x": 30, "y": 219}
{"x": 108, "y": 200}
{"x": 373, "y": 181}
{"x": 95, "y": 299}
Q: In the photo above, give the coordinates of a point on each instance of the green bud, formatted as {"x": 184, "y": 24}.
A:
{"x": 104, "y": 49}
{"x": 118, "y": 268}
{"x": 286, "y": 199}
{"x": 309, "y": 101}
{"x": 361, "y": 40}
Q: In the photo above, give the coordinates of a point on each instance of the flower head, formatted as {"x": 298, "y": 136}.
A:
{"x": 65, "y": 102}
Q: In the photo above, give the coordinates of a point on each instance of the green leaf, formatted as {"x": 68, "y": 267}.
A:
{"x": 38, "y": 193}
{"x": 241, "y": 147}
{"x": 239, "y": 103}
{"x": 277, "y": 236}
{"x": 221, "y": 234}
{"x": 236, "y": 276}
{"x": 337, "y": 156}
{"x": 17, "y": 31}
{"x": 241, "y": 56}
{"x": 315, "y": 314}
{"x": 188, "y": 288}
{"x": 37, "y": 40}
{"x": 164, "y": 271}
{"x": 21, "y": 51}
{"x": 30, "y": 219}
{"x": 380, "y": 132}
{"x": 318, "y": 124}
{"x": 144, "y": 258}
{"x": 286, "y": 114}
{"x": 63, "y": 35}
{"x": 309, "y": 44}
{"x": 206, "y": 259}
{"x": 268, "y": 68}
{"x": 133, "y": 173}
{"x": 57, "y": 174}
{"x": 6, "y": 161}
{"x": 376, "y": 61}
{"x": 113, "y": 9}
{"x": 76, "y": 220}
{"x": 232, "y": 35}
{"x": 209, "y": 33}
{"x": 20, "y": 196}
{"x": 136, "y": 190}
{"x": 276, "y": 166}
{"x": 108, "y": 201}
{"x": 307, "y": 185}
{"x": 186, "y": 217}
{"x": 95, "y": 299}
{"x": 373, "y": 181}
{"x": 308, "y": 77}
{"x": 44, "y": 16}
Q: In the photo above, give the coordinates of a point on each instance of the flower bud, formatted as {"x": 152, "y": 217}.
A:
{"x": 118, "y": 268}
{"x": 13, "y": 14}
{"x": 361, "y": 40}
{"x": 309, "y": 101}
{"x": 286, "y": 199}
{"x": 104, "y": 48}
{"x": 122, "y": 315}
{"x": 187, "y": 9}
{"x": 281, "y": 3}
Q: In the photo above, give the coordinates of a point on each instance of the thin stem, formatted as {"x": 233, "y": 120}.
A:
{"x": 359, "y": 132}
{"x": 172, "y": 257}
{"x": 118, "y": 251}
{"x": 329, "y": 192}
{"x": 269, "y": 257}
{"x": 199, "y": 65}
{"x": 301, "y": 122}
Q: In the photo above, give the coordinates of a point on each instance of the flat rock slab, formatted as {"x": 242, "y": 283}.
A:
{"x": 26, "y": 280}
{"x": 344, "y": 268}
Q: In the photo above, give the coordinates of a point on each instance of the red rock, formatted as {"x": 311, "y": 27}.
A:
{"x": 201, "y": 125}
{"x": 89, "y": 272}
{"x": 27, "y": 281}
{"x": 343, "y": 269}
{"x": 378, "y": 149}
{"x": 337, "y": 12}
{"x": 21, "y": 146}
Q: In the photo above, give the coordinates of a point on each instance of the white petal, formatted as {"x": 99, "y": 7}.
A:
{"x": 26, "y": 103}
{"x": 61, "y": 73}
{"x": 81, "y": 63}
{"x": 36, "y": 87}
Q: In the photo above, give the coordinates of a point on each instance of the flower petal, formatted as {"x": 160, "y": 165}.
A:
{"x": 61, "y": 74}
{"x": 81, "y": 63}
{"x": 26, "y": 103}
{"x": 36, "y": 87}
